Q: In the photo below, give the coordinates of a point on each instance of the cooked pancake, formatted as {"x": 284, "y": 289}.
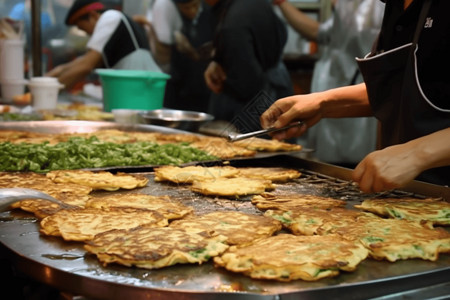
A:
{"x": 162, "y": 204}
{"x": 43, "y": 208}
{"x": 72, "y": 194}
{"x": 273, "y": 174}
{"x": 192, "y": 173}
{"x": 293, "y": 201}
{"x": 239, "y": 228}
{"x": 230, "y": 187}
{"x": 163, "y": 138}
{"x": 396, "y": 239}
{"x": 432, "y": 210}
{"x": 221, "y": 148}
{"x": 310, "y": 221}
{"x": 40, "y": 208}
{"x": 264, "y": 145}
{"x": 154, "y": 248}
{"x": 99, "y": 180}
{"x": 288, "y": 257}
{"x": 84, "y": 224}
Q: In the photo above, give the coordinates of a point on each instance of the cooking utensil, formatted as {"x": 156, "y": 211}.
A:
{"x": 11, "y": 195}
{"x": 232, "y": 137}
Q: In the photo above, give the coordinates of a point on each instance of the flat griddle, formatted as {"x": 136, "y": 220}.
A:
{"x": 66, "y": 266}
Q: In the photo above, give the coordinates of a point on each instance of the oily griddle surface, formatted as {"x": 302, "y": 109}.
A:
{"x": 19, "y": 232}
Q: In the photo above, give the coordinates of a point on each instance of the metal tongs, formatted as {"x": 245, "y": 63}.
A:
{"x": 11, "y": 195}
{"x": 233, "y": 137}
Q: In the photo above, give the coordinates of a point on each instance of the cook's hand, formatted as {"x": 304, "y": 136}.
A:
{"x": 387, "y": 169}
{"x": 215, "y": 77}
{"x": 290, "y": 109}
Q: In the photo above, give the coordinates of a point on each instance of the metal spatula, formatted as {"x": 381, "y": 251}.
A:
{"x": 11, "y": 195}
{"x": 232, "y": 137}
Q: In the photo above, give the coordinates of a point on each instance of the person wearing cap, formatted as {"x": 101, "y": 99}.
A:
{"x": 116, "y": 42}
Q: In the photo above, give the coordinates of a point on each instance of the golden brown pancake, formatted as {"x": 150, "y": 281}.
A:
{"x": 99, "y": 180}
{"x": 286, "y": 257}
{"x": 265, "y": 145}
{"x": 270, "y": 173}
{"x": 232, "y": 187}
{"x": 221, "y": 148}
{"x": 396, "y": 239}
{"x": 433, "y": 210}
{"x": 293, "y": 201}
{"x": 310, "y": 221}
{"x": 193, "y": 173}
{"x": 155, "y": 248}
{"x": 239, "y": 228}
{"x": 162, "y": 204}
{"x": 84, "y": 224}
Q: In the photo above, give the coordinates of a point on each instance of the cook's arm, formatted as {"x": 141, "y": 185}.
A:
{"x": 397, "y": 165}
{"x": 76, "y": 70}
{"x": 344, "y": 102}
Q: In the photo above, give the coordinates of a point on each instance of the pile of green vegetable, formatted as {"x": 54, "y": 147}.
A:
{"x": 79, "y": 153}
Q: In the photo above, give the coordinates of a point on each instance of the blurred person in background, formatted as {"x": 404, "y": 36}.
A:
{"x": 189, "y": 57}
{"x": 349, "y": 33}
{"x": 248, "y": 45}
{"x": 180, "y": 34}
{"x": 116, "y": 42}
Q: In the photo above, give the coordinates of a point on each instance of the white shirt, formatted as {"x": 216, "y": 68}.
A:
{"x": 166, "y": 20}
{"x": 106, "y": 31}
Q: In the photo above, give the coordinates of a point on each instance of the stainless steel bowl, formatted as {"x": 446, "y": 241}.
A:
{"x": 179, "y": 119}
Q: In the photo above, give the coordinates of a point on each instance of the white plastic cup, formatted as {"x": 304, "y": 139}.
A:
{"x": 11, "y": 59}
{"x": 44, "y": 92}
{"x": 11, "y": 88}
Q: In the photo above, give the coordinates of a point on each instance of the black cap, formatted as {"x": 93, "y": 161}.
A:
{"x": 82, "y": 7}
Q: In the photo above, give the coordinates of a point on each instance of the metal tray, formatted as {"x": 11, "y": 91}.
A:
{"x": 56, "y": 127}
{"x": 66, "y": 266}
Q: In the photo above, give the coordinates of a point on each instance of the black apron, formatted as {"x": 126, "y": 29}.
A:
{"x": 397, "y": 99}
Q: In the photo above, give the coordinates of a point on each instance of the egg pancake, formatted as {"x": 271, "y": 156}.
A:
{"x": 177, "y": 138}
{"x": 273, "y": 174}
{"x": 310, "y": 221}
{"x": 286, "y": 257}
{"x": 162, "y": 204}
{"x": 99, "y": 180}
{"x": 239, "y": 228}
{"x": 222, "y": 148}
{"x": 192, "y": 173}
{"x": 397, "y": 239}
{"x": 293, "y": 201}
{"x": 73, "y": 194}
{"x": 155, "y": 248}
{"x": 232, "y": 187}
{"x": 265, "y": 145}
{"x": 432, "y": 210}
{"x": 43, "y": 208}
{"x": 84, "y": 224}
{"x": 42, "y": 183}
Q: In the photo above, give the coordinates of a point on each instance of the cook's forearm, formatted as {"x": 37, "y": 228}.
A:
{"x": 72, "y": 72}
{"x": 433, "y": 150}
{"x": 345, "y": 102}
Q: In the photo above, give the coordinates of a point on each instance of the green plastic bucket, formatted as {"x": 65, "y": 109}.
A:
{"x": 132, "y": 89}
